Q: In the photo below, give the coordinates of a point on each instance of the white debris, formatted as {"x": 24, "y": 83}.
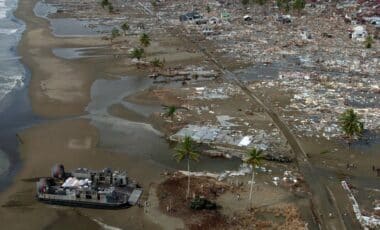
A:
{"x": 366, "y": 221}
{"x": 245, "y": 141}
{"x": 359, "y": 33}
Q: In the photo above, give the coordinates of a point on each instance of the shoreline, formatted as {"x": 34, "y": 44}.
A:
{"x": 49, "y": 142}
{"x": 59, "y": 91}
{"x": 15, "y": 110}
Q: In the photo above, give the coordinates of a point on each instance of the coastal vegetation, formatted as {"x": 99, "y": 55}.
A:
{"x": 115, "y": 33}
{"x": 125, "y": 27}
{"x": 186, "y": 151}
{"x": 351, "y": 125}
{"x": 157, "y": 63}
{"x": 368, "y": 42}
{"x": 104, "y": 3}
{"x": 254, "y": 158}
{"x": 170, "y": 111}
{"x": 110, "y": 7}
{"x": 145, "y": 40}
{"x": 137, "y": 53}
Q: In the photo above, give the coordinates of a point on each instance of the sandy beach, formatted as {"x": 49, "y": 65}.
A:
{"x": 61, "y": 89}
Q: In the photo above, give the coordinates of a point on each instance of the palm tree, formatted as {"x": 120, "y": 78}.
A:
{"x": 351, "y": 124}
{"x": 170, "y": 111}
{"x": 244, "y": 2}
{"x": 144, "y": 40}
{"x": 368, "y": 42}
{"x": 114, "y": 33}
{"x": 104, "y": 3}
{"x": 125, "y": 27}
{"x": 254, "y": 158}
{"x": 137, "y": 53}
{"x": 299, "y": 5}
{"x": 186, "y": 150}
{"x": 110, "y": 7}
{"x": 157, "y": 63}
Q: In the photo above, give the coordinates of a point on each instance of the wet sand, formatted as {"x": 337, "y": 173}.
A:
{"x": 61, "y": 89}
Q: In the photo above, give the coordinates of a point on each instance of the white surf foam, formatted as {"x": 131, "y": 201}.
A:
{"x": 3, "y": 9}
{"x": 105, "y": 226}
{"x": 7, "y": 31}
{"x": 10, "y": 83}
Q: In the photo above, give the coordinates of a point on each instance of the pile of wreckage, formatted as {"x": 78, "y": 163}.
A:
{"x": 318, "y": 100}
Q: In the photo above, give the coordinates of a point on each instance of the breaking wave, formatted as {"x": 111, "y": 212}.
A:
{"x": 12, "y": 72}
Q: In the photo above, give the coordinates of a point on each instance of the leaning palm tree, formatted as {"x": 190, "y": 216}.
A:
{"x": 254, "y": 158}
{"x": 351, "y": 124}
{"x": 186, "y": 150}
{"x": 144, "y": 40}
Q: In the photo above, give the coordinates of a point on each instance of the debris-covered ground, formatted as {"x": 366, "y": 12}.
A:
{"x": 319, "y": 99}
{"x": 220, "y": 115}
{"x": 270, "y": 35}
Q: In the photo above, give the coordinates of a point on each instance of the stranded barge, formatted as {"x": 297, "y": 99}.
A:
{"x": 87, "y": 188}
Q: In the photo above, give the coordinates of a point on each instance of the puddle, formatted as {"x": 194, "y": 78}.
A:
{"x": 43, "y": 9}
{"x": 135, "y": 138}
{"x": 76, "y": 53}
{"x": 72, "y": 27}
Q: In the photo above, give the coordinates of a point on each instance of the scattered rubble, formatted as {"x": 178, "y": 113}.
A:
{"x": 319, "y": 99}
{"x": 215, "y": 135}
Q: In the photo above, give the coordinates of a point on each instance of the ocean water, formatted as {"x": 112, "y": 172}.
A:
{"x": 12, "y": 76}
{"x": 12, "y": 72}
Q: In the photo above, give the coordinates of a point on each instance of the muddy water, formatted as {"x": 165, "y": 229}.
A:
{"x": 138, "y": 138}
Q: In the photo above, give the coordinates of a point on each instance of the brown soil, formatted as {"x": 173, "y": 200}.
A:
{"x": 172, "y": 197}
{"x": 172, "y": 200}
{"x": 284, "y": 217}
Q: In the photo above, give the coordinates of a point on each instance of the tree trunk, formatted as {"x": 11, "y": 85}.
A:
{"x": 188, "y": 179}
{"x": 250, "y": 191}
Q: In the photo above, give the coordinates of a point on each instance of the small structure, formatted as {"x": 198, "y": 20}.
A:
{"x": 359, "y": 33}
{"x": 207, "y": 31}
{"x": 284, "y": 19}
{"x": 374, "y": 21}
{"x": 190, "y": 16}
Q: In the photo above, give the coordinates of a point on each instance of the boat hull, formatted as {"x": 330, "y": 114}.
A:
{"x": 83, "y": 204}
